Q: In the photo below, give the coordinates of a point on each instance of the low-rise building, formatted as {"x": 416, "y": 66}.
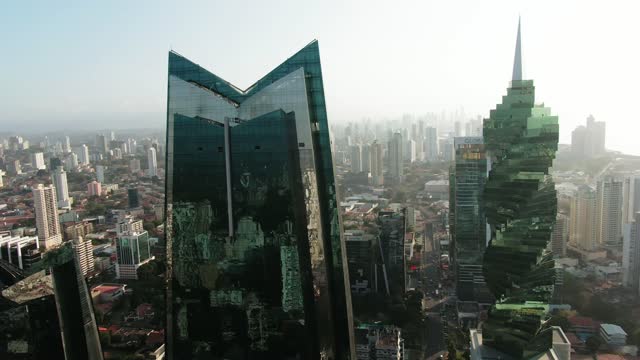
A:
{"x": 613, "y": 335}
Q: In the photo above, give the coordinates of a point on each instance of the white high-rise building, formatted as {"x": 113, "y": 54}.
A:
{"x": 431, "y": 144}
{"x": 100, "y": 173}
{"x": 84, "y": 252}
{"x": 1, "y": 181}
{"x": 44, "y": 202}
{"x": 410, "y": 151}
{"x": 133, "y": 146}
{"x": 582, "y": 223}
{"x": 71, "y": 162}
{"x": 62, "y": 188}
{"x": 66, "y": 145}
{"x": 356, "y": 158}
{"x": 152, "y": 163}
{"x": 83, "y": 154}
{"x": 377, "y": 171}
{"x": 631, "y": 255}
{"x": 366, "y": 158}
{"x": 37, "y": 161}
{"x": 609, "y": 214}
{"x": 396, "y": 170}
{"x": 630, "y": 198}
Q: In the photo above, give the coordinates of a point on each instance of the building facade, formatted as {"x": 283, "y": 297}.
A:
{"x": 520, "y": 203}
{"x": 377, "y": 165}
{"x": 47, "y": 222}
{"x": 631, "y": 255}
{"x": 152, "y": 162}
{"x": 257, "y": 264}
{"x": 62, "y": 188}
{"x": 582, "y": 221}
{"x": 609, "y": 214}
{"x": 396, "y": 168}
{"x": 133, "y": 251}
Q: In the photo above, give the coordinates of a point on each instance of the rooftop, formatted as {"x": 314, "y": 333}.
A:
{"x": 612, "y": 329}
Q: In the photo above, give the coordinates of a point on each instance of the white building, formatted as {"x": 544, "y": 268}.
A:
{"x": 128, "y": 224}
{"x": 71, "y": 162}
{"x": 62, "y": 188}
{"x": 134, "y": 165}
{"x": 152, "y": 163}
{"x": 613, "y": 335}
{"x": 582, "y": 221}
{"x": 37, "y": 161}
{"x": 410, "y": 151}
{"x": 1, "y": 181}
{"x": 84, "y": 252}
{"x": 44, "y": 202}
{"x": 18, "y": 249}
{"x": 83, "y": 154}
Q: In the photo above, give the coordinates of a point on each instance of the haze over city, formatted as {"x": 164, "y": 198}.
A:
{"x": 83, "y": 66}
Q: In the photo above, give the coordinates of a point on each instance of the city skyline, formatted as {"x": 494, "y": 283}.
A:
{"x": 437, "y": 55}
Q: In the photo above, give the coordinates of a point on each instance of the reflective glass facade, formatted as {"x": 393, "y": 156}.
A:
{"x": 520, "y": 205}
{"x": 255, "y": 257}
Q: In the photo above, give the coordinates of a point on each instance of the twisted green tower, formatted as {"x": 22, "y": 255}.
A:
{"x": 520, "y": 203}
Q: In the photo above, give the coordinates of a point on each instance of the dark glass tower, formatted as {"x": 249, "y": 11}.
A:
{"x": 256, "y": 264}
{"x": 520, "y": 204}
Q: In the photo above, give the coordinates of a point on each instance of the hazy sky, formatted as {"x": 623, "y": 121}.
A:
{"x": 90, "y": 64}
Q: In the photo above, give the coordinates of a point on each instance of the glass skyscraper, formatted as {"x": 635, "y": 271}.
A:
{"x": 256, "y": 265}
{"x": 521, "y": 139}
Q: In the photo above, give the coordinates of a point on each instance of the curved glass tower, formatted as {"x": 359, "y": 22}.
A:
{"x": 520, "y": 204}
{"x": 256, "y": 265}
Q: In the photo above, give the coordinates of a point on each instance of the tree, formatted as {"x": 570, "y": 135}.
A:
{"x": 593, "y": 343}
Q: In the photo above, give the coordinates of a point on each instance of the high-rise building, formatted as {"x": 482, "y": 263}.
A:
{"x": 582, "y": 221}
{"x": 410, "y": 151}
{"x": 631, "y": 255}
{"x": 366, "y": 158}
{"x": 47, "y": 224}
{"x": 75, "y": 311}
{"x": 355, "y": 153}
{"x": 521, "y": 139}
{"x": 84, "y": 253}
{"x": 360, "y": 260}
{"x": 133, "y": 251}
{"x": 469, "y": 230}
{"x": 152, "y": 163}
{"x": 71, "y": 162}
{"x": 66, "y": 145}
{"x": 630, "y": 198}
{"x": 1, "y": 180}
{"x": 62, "y": 188}
{"x": 94, "y": 188}
{"x": 392, "y": 227}
{"x": 559, "y": 236}
{"x": 100, "y": 173}
{"x": 37, "y": 161}
{"x": 377, "y": 170}
{"x": 589, "y": 141}
{"x": 609, "y": 214}
{"x": 396, "y": 169}
{"x": 128, "y": 224}
{"x": 102, "y": 144}
{"x": 134, "y": 165}
{"x": 253, "y": 229}
{"x": 133, "y": 197}
{"x": 83, "y": 154}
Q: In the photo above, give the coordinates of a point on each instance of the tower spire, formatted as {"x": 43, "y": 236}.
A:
{"x": 517, "y": 60}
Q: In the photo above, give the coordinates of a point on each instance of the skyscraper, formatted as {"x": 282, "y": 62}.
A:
{"x": 152, "y": 163}
{"x": 521, "y": 139}
{"x": 609, "y": 214}
{"x": 631, "y": 255}
{"x": 366, "y": 158}
{"x": 431, "y": 143}
{"x": 47, "y": 224}
{"x": 256, "y": 260}
{"x": 469, "y": 233}
{"x": 62, "y": 188}
{"x": 356, "y": 158}
{"x": 396, "y": 170}
{"x": 589, "y": 141}
{"x": 83, "y": 154}
{"x": 84, "y": 254}
{"x": 582, "y": 222}
{"x": 377, "y": 169}
{"x": 559, "y": 236}
{"x": 102, "y": 144}
{"x": 133, "y": 197}
{"x": 37, "y": 161}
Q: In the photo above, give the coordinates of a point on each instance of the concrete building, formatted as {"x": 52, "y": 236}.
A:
{"x": 1, "y": 180}
{"x": 589, "y": 141}
{"x": 410, "y": 151}
{"x": 609, "y": 214}
{"x": 613, "y": 335}
{"x": 366, "y": 158}
{"x": 94, "y": 188}
{"x": 59, "y": 179}
{"x": 559, "y": 236}
{"x": 21, "y": 251}
{"x": 152, "y": 163}
{"x": 84, "y": 253}
{"x": 437, "y": 189}
{"x": 134, "y": 165}
{"x": 396, "y": 168}
{"x": 37, "y": 161}
{"x": 582, "y": 222}
{"x": 355, "y": 155}
{"x": 631, "y": 255}
{"x": 47, "y": 224}
{"x": 560, "y": 348}
{"x": 71, "y": 162}
{"x": 377, "y": 170}
{"x": 360, "y": 260}
{"x": 431, "y": 144}
{"x": 128, "y": 224}
{"x": 83, "y": 154}
{"x": 100, "y": 173}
